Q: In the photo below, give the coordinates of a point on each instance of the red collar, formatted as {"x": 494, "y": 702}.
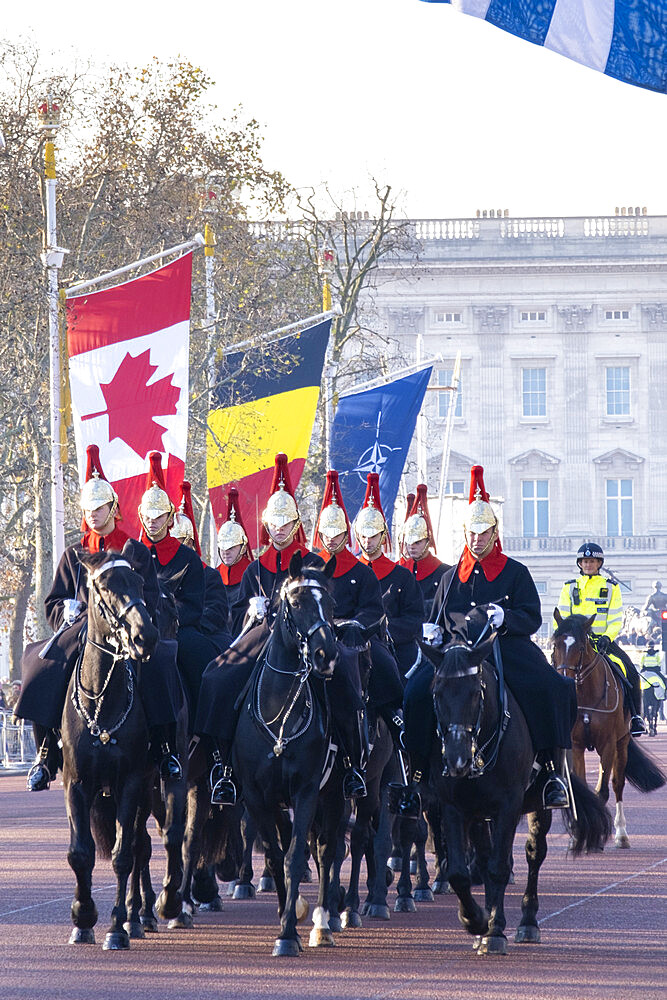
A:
{"x": 345, "y": 561}
{"x": 105, "y": 543}
{"x": 381, "y": 566}
{"x": 232, "y": 574}
{"x": 269, "y": 559}
{"x": 492, "y": 565}
{"x": 165, "y": 549}
{"x": 423, "y": 567}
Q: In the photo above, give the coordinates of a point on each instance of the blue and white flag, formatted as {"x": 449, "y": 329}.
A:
{"x": 626, "y": 39}
{"x": 372, "y": 431}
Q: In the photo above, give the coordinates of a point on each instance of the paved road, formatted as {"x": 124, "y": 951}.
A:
{"x": 603, "y": 919}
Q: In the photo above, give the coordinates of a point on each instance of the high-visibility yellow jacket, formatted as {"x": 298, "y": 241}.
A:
{"x": 594, "y": 595}
{"x": 651, "y": 661}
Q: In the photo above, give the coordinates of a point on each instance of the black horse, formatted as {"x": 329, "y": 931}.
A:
{"x": 105, "y": 740}
{"x": 283, "y": 736}
{"x": 481, "y": 768}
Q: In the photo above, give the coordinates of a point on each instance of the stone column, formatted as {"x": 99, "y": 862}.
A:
{"x": 576, "y": 517}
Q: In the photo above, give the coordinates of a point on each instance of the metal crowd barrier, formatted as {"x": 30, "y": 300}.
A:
{"x": 17, "y": 746}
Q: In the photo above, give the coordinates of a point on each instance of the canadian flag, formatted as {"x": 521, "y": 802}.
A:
{"x": 128, "y": 366}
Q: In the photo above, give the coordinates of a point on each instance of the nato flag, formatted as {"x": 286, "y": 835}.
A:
{"x": 372, "y": 431}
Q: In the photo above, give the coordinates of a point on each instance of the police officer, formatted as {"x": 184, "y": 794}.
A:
{"x": 233, "y": 549}
{"x": 418, "y": 548}
{"x": 214, "y": 619}
{"x": 589, "y": 594}
{"x": 401, "y": 596}
{"x": 253, "y": 614}
{"x": 488, "y": 586}
{"x": 180, "y": 572}
{"x": 47, "y": 667}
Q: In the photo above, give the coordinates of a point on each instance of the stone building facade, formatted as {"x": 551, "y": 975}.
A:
{"x": 562, "y": 328}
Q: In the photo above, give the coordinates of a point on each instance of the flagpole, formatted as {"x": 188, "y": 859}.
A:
{"x": 444, "y": 468}
{"x": 52, "y": 257}
{"x": 197, "y": 241}
{"x": 391, "y": 376}
{"x": 330, "y": 368}
{"x": 209, "y": 255}
{"x": 283, "y": 331}
{"x": 421, "y": 457}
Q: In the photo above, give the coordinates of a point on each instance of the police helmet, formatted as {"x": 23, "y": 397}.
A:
{"x": 589, "y": 550}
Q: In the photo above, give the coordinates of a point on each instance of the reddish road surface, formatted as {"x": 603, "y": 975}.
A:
{"x": 603, "y": 920}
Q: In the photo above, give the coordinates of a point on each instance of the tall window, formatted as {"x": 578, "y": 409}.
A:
{"x": 445, "y": 376}
{"x": 619, "y": 507}
{"x": 618, "y": 391}
{"x": 455, "y": 486}
{"x": 534, "y": 392}
{"x": 535, "y": 507}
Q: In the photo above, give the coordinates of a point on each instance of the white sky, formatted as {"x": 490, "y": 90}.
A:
{"x": 446, "y": 108}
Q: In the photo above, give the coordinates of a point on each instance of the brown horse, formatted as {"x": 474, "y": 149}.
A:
{"x": 603, "y": 722}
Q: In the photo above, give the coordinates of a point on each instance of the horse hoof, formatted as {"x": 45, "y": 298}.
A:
{"x": 285, "y": 948}
{"x": 116, "y": 941}
{"x": 493, "y": 945}
{"x": 377, "y": 911}
{"x": 527, "y": 934}
{"x": 169, "y": 906}
{"x": 183, "y": 922}
{"x": 307, "y": 874}
{"x": 405, "y": 904}
{"x": 135, "y": 929}
{"x": 321, "y": 937}
{"x": 394, "y": 864}
{"x": 149, "y": 924}
{"x": 266, "y": 884}
{"x": 350, "y": 919}
{"x": 622, "y": 842}
{"x": 302, "y": 908}
{"x": 476, "y": 941}
{"x": 335, "y": 924}
{"x": 244, "y": 890}
{"x": 82, "y": 935}
{"x": 232, "y": 885}
{"x": 423, "y": 895}
{"x": 441, "y": 887}
{"x": 213, "y": 906}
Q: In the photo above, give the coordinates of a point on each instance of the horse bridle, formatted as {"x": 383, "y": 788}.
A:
{"x": 114, "y": 619}
{"x": 302, "y": 638}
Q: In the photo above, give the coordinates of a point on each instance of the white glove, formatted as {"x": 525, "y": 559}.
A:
{"x": 432, "y": 634}
{"x": 496, "y": 615}
{"x": 72, "y": 609}
{"x": 258, "y": 606}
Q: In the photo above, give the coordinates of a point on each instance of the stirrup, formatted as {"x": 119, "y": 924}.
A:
{"x": 223, "y": 789}
{"x": 637, "y": 726}
{"x": 39, "y": 776}
{"x": 555, "y": 794}
{"x": 354, "y": 786}
{"x": 170, "y": 766}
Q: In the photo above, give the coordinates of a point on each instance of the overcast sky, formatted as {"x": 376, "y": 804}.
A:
{"x": 446, "y": 108}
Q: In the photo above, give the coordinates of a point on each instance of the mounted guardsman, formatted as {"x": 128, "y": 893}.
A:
{"x": 47, "y": 666}
{"x": 589, "y": 594}
{"x": 417, "y": 543}
{"x": 233, "y": 549}
{"x": 401, "y": 596}
{"x": 254, "y": 612}
{"x": 358, "y": 597}
{"x": 214, "y": 619}
{"x": 488, "y": 587}
{"x": 180, "y": 572}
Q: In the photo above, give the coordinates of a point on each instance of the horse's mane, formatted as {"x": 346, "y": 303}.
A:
{"x": 576, "y": 625}
{"x": 94, "y": 559}
{"x": 308, "y": 573}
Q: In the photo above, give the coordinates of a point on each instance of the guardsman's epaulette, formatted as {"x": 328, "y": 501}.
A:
{"x": 574, "y": 580}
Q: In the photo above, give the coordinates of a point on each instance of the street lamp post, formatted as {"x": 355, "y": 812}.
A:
{"x": 52, "y": 257}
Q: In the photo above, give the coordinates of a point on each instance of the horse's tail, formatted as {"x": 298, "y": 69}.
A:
{"x": 642, "y": 771}
{"x": 221, "y": 842}
{"x": 594, "y": 825}
{"x": 103, "y": 823}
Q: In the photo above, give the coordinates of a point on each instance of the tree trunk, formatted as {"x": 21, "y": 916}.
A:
{"x": 17, "y": 623}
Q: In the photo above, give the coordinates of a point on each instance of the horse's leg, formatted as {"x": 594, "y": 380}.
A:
{"x": 139, "y": 876}
{"x": 539, "y": 824}
{"x": 81, "y": 859}
{"x": 304, "y": 811}
{"x": 327, "y": 841}
{"x": 404, "y": 901}
{"x": 335, "y": 894}
{"x": 170, "y": 901}
{"x": 497, "y": 876}
{"x": 266, "y": 883}
{"x": 471, "y": 914}
{"x": 440, "y": 884}
{"x": 198, "y": 807}
{"x": 244, "y": 889}
{"x": 147, "y": 914}
{"x": 122, "y": 858}
{"x": 422, "y": 893}
{"x": 621, "y": 838}
{"x": 379, "y": 874}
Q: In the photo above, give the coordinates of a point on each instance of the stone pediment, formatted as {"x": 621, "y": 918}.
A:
{"x": 618, "y": 457}
{"x": 535, "y": 457}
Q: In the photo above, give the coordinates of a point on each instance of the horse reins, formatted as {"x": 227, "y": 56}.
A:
{"x": 581, "y": 673}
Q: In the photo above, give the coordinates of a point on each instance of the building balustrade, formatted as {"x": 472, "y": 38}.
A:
{"x": 609, "y": 543}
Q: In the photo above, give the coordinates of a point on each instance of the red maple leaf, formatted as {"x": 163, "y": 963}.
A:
{"x": 132, "y": 404}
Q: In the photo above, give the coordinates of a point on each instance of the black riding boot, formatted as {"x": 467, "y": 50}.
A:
{"x": 163, "y": 739}
{"x": 223, "y": 789}
{"x": 353, "y": 741}
{"x": 43, "y": 771}
{"x": 637, "y": 724}
{"x": 555, "y": 793}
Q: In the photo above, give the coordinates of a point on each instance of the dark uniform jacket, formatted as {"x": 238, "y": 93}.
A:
{"x": 427, "y": 572}
{"x": 215, "y": 617}
{"x": 404, "y": 606}
{"x": 231, "y": 577}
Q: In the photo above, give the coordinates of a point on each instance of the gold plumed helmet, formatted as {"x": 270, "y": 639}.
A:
{"x": 371, "y": 520}
{"x": 281, "y": 507}
{"x": 96, "y": 490}
{"x": 333, "y": 519}
{"x": 155, "y": 500}
{"x": 417, "y": 527}
{"x": 480, "y": 515}
{"x": 232, "y": 532}
{"x": 182, "y": 527}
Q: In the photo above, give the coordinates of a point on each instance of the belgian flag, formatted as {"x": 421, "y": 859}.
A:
{"x": 264, "y": 402}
